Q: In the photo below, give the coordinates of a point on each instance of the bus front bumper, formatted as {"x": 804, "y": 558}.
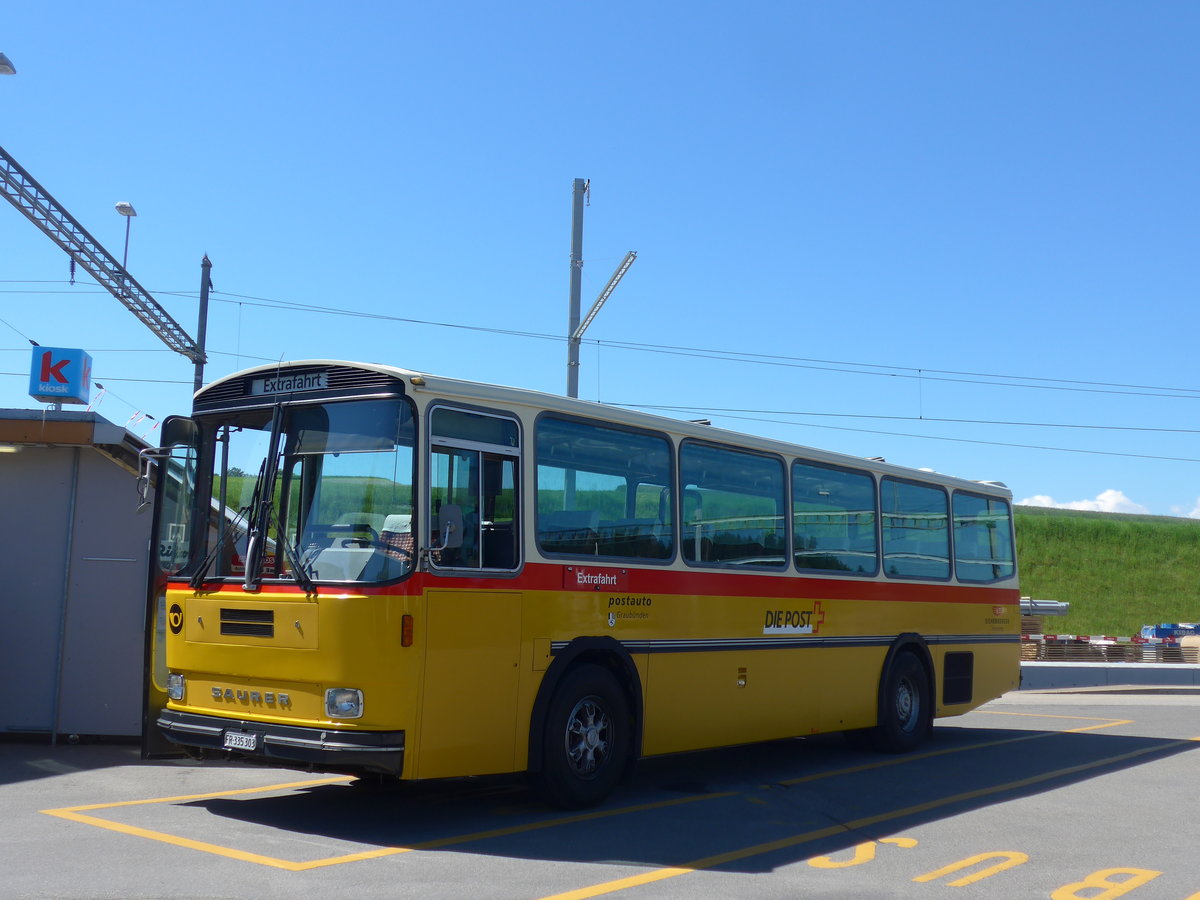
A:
{"x": 288, "y": 746}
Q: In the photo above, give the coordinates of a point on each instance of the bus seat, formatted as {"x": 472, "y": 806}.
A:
{"x": 568, "y": 520}
{"x": 397, "y": 523}
{"x": 569, "y": 530}
{"x": 362, "y": 521}
{"x": 629, "y": 537}
{"x": 396, "y": 536}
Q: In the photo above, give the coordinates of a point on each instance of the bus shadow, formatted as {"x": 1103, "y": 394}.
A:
{"x": 758, "y": 806}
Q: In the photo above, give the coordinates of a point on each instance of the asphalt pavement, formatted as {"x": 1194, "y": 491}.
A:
{"x": 1073, "y": 794}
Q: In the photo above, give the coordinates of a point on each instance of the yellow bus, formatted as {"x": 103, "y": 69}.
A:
{"x": 376, "y": 571}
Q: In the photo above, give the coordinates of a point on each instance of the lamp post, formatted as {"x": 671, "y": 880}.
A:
{"x": 127, "y": 210}
{"x": 6, "y": 66}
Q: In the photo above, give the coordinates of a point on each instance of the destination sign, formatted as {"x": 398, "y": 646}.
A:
{"x": 287, "y": 384}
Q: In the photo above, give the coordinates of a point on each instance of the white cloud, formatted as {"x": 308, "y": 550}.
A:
{"x": 1106, "y": 501}
{"x": 1193, "y": 513}
{"x": 1037, "y": 500}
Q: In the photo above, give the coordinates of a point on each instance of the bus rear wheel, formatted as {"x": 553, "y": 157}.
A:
{"x": 586, "y": 741}
{"x": 906, "y": 708}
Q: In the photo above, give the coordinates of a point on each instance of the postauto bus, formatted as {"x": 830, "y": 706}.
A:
{"x": 376, "y": 571}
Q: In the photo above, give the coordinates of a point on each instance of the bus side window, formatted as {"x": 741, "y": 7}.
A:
{"x": 603, "y": 491}
{"x": 454, "y": 524}
{"x": 474, "y": 499}
{"x": 833, "y": 519}
{"x": 498, "y": 528}
{"x": 983, "y": 547}
{"x": 737, "y": 512}
{"x": 450, "y": 527}
{"x": 697, "y": 534}
{"x": 916, "y": 533}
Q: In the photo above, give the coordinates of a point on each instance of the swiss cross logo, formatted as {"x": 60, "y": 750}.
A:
{"x": 60, "y": 376}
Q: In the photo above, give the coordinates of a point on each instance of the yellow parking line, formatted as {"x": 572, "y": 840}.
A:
{"x": 75, "y": 814}
{"x": 287, "y": 786}
{"x": 709, "y": 862}
{"x": 1104, "y": 723}
{"x": 172, "y": 839}
{"x": 1112, "y": 723}
{"x": 998, "y": 712}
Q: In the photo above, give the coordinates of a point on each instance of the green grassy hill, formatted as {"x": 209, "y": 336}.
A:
{"x": 1118, "y": 572}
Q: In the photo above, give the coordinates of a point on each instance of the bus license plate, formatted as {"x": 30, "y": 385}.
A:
{"x": 241, "y": 740}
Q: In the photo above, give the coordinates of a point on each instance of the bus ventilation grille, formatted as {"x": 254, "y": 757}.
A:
{"x": 252, "y": 622}
{"x": 347, "y": 379}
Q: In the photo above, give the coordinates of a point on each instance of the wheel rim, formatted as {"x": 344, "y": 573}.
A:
{"x": 908, "y": 704}
{"x": 588, "y": 737}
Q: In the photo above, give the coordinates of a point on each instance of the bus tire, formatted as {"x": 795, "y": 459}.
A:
{"x": 905, "y": 706}
{"x": 587, "y": 739}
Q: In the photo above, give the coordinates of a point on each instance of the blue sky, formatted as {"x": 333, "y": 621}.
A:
{"x": 961, "y": 236}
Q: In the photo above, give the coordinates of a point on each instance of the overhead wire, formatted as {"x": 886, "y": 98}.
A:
{"x": 784, "y": 412}
{"x": 759, "y": 358}
{"x": 20, "y": 332}
{"x": 957, "y": 440}
{"x": 786, "y": 361}
{"x": 912, "y": 373}
{"x": 842, "y": 366}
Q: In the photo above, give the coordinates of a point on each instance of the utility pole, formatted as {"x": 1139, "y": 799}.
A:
{"x": 576, "y": 328}
{"x": 202, "y": 326}
{"x": 578, "y": 191}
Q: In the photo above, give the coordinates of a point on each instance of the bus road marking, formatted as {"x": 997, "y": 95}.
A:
{"x": 78, "y": 814}
{"x": 710, "y": 862}
{"x": 1108, "y": 723}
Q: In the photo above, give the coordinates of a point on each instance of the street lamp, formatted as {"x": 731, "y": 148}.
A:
{"x": 127, "y": 210}
{"x": 6, "y": 66}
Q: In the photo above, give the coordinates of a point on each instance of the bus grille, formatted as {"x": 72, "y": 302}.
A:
{"x": 252, "y": 622}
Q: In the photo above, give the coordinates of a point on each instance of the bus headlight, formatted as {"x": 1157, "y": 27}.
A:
{"x": 343, "y": 703}
{"x": 175, "y": 686}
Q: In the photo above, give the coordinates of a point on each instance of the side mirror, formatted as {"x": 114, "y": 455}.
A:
{"x": 143, "y": 480}
{"x": 450, "y": 525}
{"x": 180, "y": 431}
{"x": 177, "y": 431}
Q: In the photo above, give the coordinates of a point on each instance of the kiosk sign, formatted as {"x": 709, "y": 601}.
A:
{"x": 60, "y": 376}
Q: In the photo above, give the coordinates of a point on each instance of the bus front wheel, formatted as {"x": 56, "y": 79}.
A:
{"x": 586, "y": 742}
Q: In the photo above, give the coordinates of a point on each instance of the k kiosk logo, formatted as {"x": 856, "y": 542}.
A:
{"x": 60, "y": 376}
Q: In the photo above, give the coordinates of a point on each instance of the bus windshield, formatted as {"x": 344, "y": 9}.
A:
{"x": 313, "y": 493}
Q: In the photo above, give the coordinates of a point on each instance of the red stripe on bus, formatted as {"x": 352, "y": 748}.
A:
{"x": 549, "y": 577}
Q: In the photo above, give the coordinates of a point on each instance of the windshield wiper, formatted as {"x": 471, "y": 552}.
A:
{"x": 228, "y": 528}
{"x": 260, "y": 524}
{"x": 299, "y": 571}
